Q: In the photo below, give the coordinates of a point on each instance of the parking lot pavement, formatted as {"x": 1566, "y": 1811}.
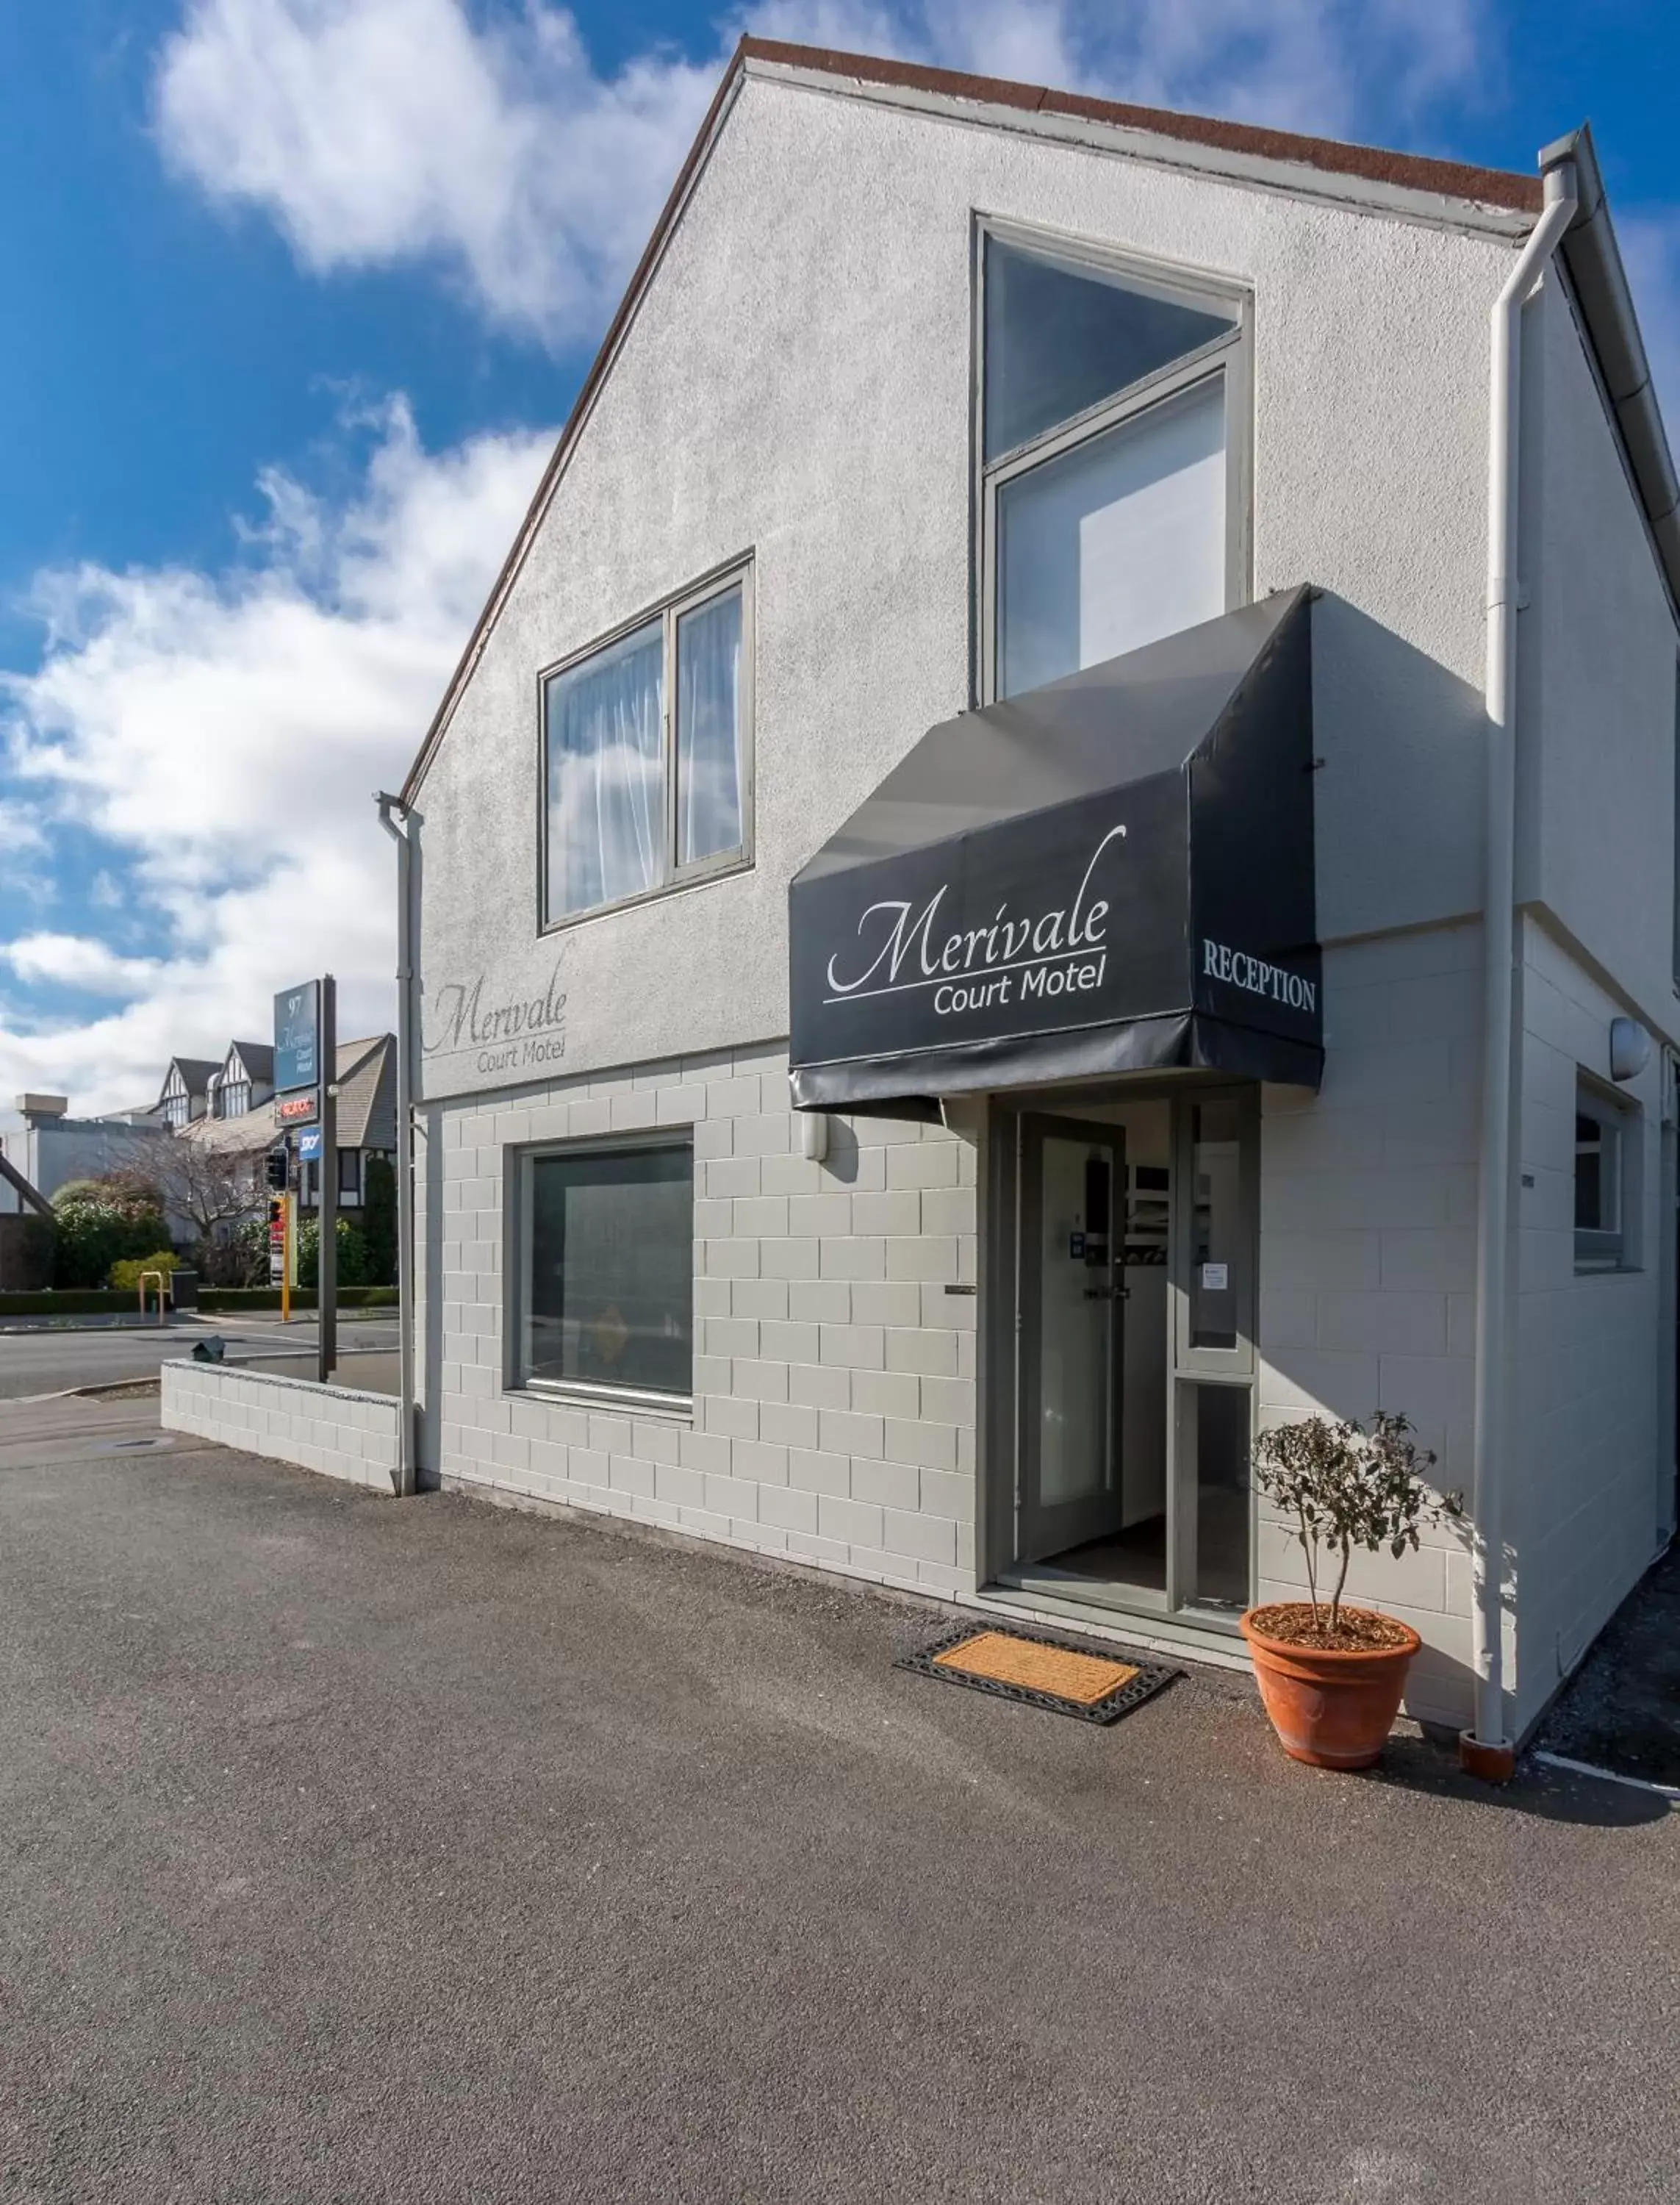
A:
{"x": 375, "y": 1850}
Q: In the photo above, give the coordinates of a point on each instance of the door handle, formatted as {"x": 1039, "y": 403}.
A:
{"x": 1108, "y": 1293}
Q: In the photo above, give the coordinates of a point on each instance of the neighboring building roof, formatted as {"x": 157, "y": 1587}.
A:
{"x": 20, "y": 1185}
{"x": 257, "y": 1057}
{"x": 196, "y": 1073}
{"x": 367, "y": 1093}
{"x": 365, "y": 1076}
{"x": 1388, "y": 182}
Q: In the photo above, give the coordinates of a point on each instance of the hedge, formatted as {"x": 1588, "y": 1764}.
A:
{"x": 74, "y": 1301}
{"x": 229, "y": 1301}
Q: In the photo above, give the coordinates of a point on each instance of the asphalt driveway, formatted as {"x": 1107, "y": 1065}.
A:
{"x": 365, "y": 1849}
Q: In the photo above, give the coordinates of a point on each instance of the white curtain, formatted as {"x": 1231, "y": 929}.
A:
{"x": 606, "y": 783}
{"x": 709, "y": 773}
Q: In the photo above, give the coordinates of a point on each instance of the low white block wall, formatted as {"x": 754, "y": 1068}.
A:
{"x": 335, "y": 1429}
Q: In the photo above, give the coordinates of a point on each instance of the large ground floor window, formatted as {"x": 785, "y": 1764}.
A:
{"x": 604, "y": 1278}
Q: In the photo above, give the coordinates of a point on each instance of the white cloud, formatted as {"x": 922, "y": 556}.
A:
{"x": 380, "y": 131}
{"x": 76, "y": 961}
{"x": 387, "y": 130}
{"x": 225, "y": 734}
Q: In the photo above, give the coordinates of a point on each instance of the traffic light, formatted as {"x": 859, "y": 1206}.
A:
{"x": 278, "y": 1168}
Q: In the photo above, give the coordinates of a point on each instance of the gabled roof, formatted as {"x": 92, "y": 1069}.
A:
{"x": 196, "y": 1073}
{"x": 1407, "y": 185}
{"x": 257, "y": 1057}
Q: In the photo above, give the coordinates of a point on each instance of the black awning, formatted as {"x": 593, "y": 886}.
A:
{"x": 1112, "y": 874}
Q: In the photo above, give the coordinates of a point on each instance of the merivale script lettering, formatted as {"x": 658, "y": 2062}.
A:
{"x": 1256, "y": 977}
{"x": 1034, "y": 954}
{"x": 527, "y": 1030}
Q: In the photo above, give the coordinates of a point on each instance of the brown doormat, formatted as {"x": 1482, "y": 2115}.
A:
{"x": 1038, "y": 1670}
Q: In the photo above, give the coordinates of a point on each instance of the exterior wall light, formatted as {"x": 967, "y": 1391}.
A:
{"x": 814, "y": 1136}
{"x": 1630, "y": 1048}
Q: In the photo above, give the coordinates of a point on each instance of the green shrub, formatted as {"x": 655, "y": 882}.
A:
{"x": 100, "y": 1223}
{"x": 352, "y": 1254}
{"x": 126, "y": 1275}
{"x": 378, "y": 1221}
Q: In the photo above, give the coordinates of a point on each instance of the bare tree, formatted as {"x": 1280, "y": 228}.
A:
{"x": 210, "y": 1182}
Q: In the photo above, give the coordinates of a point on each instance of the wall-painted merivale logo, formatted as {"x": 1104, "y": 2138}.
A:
{"x": 1059, "y": 951}
{"x": 528, "y": 1030}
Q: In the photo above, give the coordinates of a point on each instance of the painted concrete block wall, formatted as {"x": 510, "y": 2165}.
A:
{"x": 833, "y": 1410}
{"x": 338, "y": 1430}
{"x": 801, "y": 368}
{"x": 1588, "y": 1459}
{"x": 1597, "y": 682}
{"x": 1368, "y": 1260}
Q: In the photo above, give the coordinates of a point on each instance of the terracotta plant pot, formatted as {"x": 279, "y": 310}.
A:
{"x": 1332, "y": 1708}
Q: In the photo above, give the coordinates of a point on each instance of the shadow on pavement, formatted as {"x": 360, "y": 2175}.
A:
{"x": 1549, "y": 1795}
{"x": 1621, "y": 1710}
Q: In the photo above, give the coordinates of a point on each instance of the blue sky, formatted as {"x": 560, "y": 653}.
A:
{"x": 300, "y": 290}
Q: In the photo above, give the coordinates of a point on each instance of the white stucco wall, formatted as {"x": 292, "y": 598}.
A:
{"x": 1591, "y": 1473}
{"x": 1368, "y": 1261}
{"x": 797, "y": 384}
{"x": 1597, "y": 684}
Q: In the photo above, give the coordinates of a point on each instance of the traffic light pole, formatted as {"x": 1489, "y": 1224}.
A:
{"x": 326, "y": 1277}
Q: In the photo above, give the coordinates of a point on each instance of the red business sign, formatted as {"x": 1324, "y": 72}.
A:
{"x": 295, "y": 1109}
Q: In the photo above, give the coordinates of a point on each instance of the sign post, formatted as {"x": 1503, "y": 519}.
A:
{"x": 306, "y": 1058}
{"x": 326, "y": 1275}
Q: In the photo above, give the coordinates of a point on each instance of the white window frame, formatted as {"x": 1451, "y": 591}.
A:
{"x": 737, "y": 573}
{"x": 1227, "y": 358}
{"x": 1601, "y": 1249}
{"x": 518, "y": 1178}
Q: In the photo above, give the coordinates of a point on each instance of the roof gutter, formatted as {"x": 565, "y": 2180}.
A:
{"x": 1593, "y": 260}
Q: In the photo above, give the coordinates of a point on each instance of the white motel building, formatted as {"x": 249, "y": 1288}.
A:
{"x": 1057, "y": 842}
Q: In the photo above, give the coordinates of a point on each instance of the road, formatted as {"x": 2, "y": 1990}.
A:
{"x": 51, "y": 1362}
{"x": 402, "y": 1852}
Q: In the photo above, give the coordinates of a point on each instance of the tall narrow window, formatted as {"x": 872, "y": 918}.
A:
{"x": 1108, "y": 489}
{"x": 645, "y": 749}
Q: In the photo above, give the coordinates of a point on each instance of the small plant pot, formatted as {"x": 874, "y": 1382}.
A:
{"x": 1331, "y": 1707}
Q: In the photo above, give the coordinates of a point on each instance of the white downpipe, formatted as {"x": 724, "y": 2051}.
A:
{"x": 405, "y": 1141}
{"x": 1493, "y": 1330}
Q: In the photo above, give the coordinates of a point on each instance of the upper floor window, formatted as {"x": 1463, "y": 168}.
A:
{"x": 233, "y": 1099}
{"x": 647, "y": 755}
{"x": 1110, "y": 478}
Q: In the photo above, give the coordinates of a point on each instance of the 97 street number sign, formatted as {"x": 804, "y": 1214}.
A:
{"x": 297, "y": 1038}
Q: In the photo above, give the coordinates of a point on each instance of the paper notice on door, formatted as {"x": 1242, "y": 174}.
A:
{"x": 1215, "y": 1278}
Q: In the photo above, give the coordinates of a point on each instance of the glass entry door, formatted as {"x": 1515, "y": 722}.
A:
{"x": 1072, "y": 1314}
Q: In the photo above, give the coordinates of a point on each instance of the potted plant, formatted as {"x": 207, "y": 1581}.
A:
{"x": 1330, "y": 1676}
